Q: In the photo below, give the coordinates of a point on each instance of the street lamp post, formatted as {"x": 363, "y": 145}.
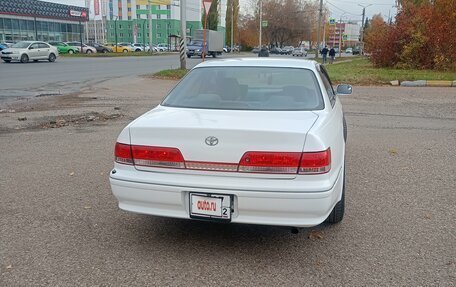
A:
{"x": 150, "y": 24}
{"x": 115, "y": 31}
{"x": 362, "y": 29}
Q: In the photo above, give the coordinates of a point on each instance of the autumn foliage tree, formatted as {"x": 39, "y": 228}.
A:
{"x": 422, "y": 37}
{"x": 289, "y": 23}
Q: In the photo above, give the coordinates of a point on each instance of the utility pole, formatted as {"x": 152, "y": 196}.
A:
{"x": 183, "y": 40}
{"x": 150, "y": 25}
{"x": 361, "y": 52}
{"x": 340, "y": 35}
{"x": 232, "y": 15}
{"x": 320, "y": 15}
{"x": 261, "y": 21}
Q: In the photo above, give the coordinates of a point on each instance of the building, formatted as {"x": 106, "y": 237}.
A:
{"x": 38, "y": 20}
{"x": 349, "y": 32}
{"x": 127, "y": 20}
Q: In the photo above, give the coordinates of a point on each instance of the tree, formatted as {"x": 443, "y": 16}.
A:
{"x": 232, "y": 8}
{"x": 422, "y": 37}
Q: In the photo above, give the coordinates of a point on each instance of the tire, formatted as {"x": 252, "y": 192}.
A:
{"x": 125, "y": 51}
{"x": 51, "y": 58}
{"x": 345, "y": 129}
{"x": 138, "y": 50}
{"x": 104, "y": 51}
{"x": 337, "y": 214}
{"x": 24, "y": 58}
{"x": 70, "y": 52}
{"x": 214, "y": 55}
{"x": 89, "y": 52}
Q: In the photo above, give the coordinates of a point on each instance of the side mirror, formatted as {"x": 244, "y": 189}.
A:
{"x": 344, "y": 89}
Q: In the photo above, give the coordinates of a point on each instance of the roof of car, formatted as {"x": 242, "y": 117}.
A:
{"x": 260, "y": 62}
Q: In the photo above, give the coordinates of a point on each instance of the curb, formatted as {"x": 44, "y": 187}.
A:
{"x": 424, "y": 83}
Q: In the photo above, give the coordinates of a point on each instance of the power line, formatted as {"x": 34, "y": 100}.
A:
{"x": 342, "y": 9}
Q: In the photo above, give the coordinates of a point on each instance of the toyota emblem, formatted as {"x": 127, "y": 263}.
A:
{"x": 211, "y": 141}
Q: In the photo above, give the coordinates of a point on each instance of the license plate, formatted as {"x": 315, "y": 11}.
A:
{"x": 210, "y": 206}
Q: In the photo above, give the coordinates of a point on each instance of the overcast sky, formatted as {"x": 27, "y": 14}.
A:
{"x": 349, "y": 9}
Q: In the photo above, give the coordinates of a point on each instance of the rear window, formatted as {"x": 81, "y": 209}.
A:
{"x": 247, "y": 88}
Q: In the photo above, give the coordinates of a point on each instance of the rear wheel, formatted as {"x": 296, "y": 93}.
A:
{"x": 89, "y": 52}
{"x": 337, "y": 214}
{"x": 51, "y": 58}
{"x": 104, "y": 51}
{"x": 24, "y": 58}
{"x": 70, "y": 52}
{"x": 125, "y": 51}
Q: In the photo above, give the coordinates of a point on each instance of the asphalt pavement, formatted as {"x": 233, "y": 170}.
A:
{"x": 74, "y": 74}
{"x": 60, "y": 224}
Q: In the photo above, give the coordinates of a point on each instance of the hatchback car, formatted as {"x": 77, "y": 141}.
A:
{"x": 299, "y": 52}
{"x": 101, "y": 48}
{"x": 25, "y": 51}
{"x": 64, "y": 48}
{"x": 258, "y": 141}
{"x": 86, "y": 49}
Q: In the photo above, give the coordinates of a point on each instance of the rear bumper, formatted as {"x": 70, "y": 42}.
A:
{"x": 253, "y": 207}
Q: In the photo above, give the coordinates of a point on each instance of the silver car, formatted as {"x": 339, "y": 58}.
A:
{"x": 86, "y": 49}
{"x": 26, "y": 51}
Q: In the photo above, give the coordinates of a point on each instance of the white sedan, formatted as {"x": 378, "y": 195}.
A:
{"x": 258, "y": 141}
{"x": 26, "y": 51}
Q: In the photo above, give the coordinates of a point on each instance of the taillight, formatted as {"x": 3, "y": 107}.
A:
{"x": 315, "y": 162}
{"x": 122, "y": 154}
{"x": 157, "y": 156}
{"x": 270, "y": 162}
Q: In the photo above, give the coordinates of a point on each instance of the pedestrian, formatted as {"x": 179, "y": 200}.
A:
{"x": 263, "y": 52}
{"x": 324, "y": 53}
{"x": 332, "y": 55}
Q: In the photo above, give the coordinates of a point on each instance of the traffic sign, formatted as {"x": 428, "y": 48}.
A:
{"x": 264, "y": 23}
{"x": 332, "y": 21}
{"x": 345, "y": 37}
{"x": 207, "y": 5}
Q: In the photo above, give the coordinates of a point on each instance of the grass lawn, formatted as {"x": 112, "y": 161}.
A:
{"x": 360, "y": 71}
{"x": 172, "y": 74}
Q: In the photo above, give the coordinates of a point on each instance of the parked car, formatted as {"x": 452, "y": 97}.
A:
{"x": 85, "y": 48}
{"x": 64, "y": 48}
{"x": 356, "y": 51}
{"x": 119, "y": 48}
{"x": 162, "y": 47}
{"x": 25, "y": 51}
{"x": 138, "y": 47}
{"x": 349, "y": 50}
{"x": 275, "y": 50}
{"x": 101, "y": 48}
{"x": 184, "y": 159}
{"x": 287, "y": 50}
{"x": 299, "y": 52}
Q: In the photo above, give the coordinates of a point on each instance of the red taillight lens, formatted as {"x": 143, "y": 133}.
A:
{"x": 157, "y": 156}
{"x": 315, "y": 162}
{"x": 122, "y": 154}
{"x": 270, "y": 162}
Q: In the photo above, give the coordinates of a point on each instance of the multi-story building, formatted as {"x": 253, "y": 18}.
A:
{"x": 351, "y": 32}
{"x": 127, "y": 20}
{"x": 39, "y": 20}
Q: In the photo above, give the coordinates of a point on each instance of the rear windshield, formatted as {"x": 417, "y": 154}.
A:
{"x": 247, "y": 88}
